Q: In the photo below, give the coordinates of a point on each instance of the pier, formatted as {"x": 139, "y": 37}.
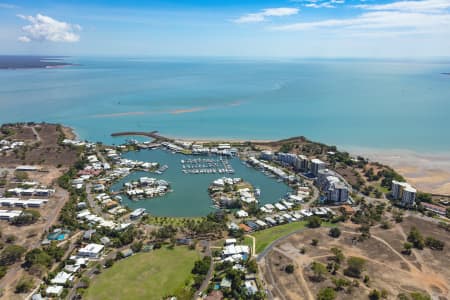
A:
{"x": 152, "y": 134}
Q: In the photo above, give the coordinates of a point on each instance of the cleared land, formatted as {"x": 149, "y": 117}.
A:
{"x": 423, "y": 271}
{"x": 153, "y": 275}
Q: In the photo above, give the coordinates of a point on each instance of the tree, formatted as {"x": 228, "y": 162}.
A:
{"x": 314, "y": 222}
{"x": 447, "y": 212}
{"x": 407, "y": 246}
{"x": 340, "y": 283}
{"x": 201, "y": 267}
{"x": 416, "y": 238}
{"x": 319, "y": 270}
{"x": 326, "y": 294}
{"x": 434, "y": 244}
{"x": 27, "y": 217}
{"x": 137, "y": 246}
{"x": 109, "y": 263}
{"x": 38, "y": 257}
{"x": 289, "y": 269}
{"x": 11, "y": 254}
{"x": 338, "y": 255}
{"x": 335, "y": 232}
{"x": 355, "y": 266}
{"x": 375, "y": 295}
{"x": 314, "y": 242}
{"x": 24, "y": 285}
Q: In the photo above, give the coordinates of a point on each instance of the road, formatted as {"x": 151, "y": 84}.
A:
{"x": 210, "y": 271}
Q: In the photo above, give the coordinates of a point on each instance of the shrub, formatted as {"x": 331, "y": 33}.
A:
{"x": 335, "y": 232}
{"x": 11, "y": 254}
{"x": 24, "y": 285}
{"x": 415, "y": 237}
{"x": 289, "y": 269}
{"x": 434, "y": 244}
{"x": 314, "y": 222}
{"x": 326, "y": 294}
{"x": 355, "y": 266}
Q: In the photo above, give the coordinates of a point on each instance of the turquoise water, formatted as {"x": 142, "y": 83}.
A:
{"x": 190, "y": 192}
{"x": 375, "y": 104}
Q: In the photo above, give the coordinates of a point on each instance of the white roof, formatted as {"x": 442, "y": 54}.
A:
{"x": 54, "y": 290}
{"x": 92, "y": 248}
{"x": 61, "y": 278}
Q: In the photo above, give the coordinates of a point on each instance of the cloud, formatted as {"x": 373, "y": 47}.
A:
{"x": 24, "y": 39}
{"x": 429, "y": 6}
{"x": 44, "y": 28}
{"x": 8, "y": 5}
{"x": 402, "y": 17}
{"x": 320, "y": 5}
{"x": 268, "y": 12}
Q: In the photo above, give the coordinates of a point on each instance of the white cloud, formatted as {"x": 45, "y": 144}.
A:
{"x": 320, "y": 5}
{"x": 403, "y": 17}
{"x": 8, "y": 5}
{"x": 431, "y": 6}
{"x": 24, "y": 39}
{"x": 44, "y": 28}
{"x": 268, "y": 12}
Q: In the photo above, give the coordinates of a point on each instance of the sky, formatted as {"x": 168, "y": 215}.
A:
{"x": 255, "y": 28}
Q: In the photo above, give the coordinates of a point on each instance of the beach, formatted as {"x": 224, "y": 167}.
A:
{"x": 429, "y": 172}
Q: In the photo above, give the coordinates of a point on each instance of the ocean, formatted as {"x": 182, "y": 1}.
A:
{"x": 348, "y": 103}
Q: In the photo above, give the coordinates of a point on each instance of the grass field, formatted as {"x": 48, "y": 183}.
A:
{"x": 265, "y": 237}
{"x": 152, "y": 275}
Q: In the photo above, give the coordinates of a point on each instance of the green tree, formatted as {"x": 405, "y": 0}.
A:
{"x": 355, "y": 266}
{"x": 24, "y": 285}
{"x": 313, "y": 222}
{"x": 407, "y": 246}
{"x": 334, "y": 232}
{"x": 11, "y": 254}
{"x": 319, "y": 270}
{"x": 326, "y": 294}
{"x": 289, "y": 269}
{"x": 416, "y": 238}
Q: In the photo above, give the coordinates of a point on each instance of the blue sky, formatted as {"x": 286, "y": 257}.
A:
{"x": 291, "y": 28}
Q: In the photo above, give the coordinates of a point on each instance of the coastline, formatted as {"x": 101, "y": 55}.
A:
{"x": 429, "y": 172}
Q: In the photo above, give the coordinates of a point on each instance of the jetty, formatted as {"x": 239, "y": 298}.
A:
{"x": 152, "y": 134}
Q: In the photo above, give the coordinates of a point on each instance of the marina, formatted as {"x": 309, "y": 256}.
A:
{"x": 189, "y": 197}
{"x": 206, "y": 166}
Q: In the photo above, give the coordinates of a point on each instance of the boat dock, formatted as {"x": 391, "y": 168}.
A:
{"x": 206, "y": 166}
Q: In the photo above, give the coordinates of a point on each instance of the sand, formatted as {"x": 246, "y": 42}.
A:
{"x": 428, "y": 172}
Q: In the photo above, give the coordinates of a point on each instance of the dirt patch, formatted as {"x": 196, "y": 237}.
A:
{"x": 387, "y": 268}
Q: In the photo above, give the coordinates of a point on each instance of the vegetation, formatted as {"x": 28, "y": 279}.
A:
{"x": 314, "y": 222}
{"x": 355, "y": 267}
{"x": 29, "y": 216}
{"x": 326, "y": 294}
{"x": 24, "y": 285}
{"x": 11, "y": 254}
{"x": 416, "y": 238}
{"x": 152, "y": 275}
{"x": 335, "y": 232}
{"x": 289, "y": 269}
{"x": 319, "y": 270}
{"x": 434, "y": 244}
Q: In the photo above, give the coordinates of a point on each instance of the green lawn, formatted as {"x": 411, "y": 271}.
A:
{"x": 265, "y": 237}
{"x": 151, "y": 275}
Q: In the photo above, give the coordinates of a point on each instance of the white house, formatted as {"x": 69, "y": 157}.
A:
{"x": 91, "y": 251}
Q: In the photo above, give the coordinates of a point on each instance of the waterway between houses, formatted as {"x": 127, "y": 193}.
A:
{"x": 190, "y": 191}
